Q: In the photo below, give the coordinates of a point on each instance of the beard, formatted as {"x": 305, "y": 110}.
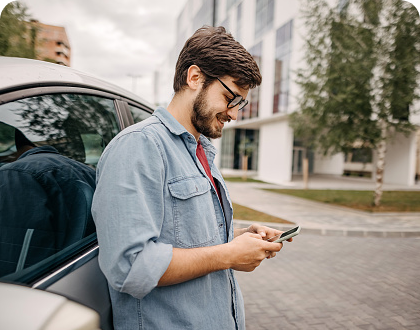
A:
{"x": 203, "y": 118}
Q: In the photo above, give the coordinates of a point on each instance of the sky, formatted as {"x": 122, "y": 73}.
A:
{"x": 114, "y": 40}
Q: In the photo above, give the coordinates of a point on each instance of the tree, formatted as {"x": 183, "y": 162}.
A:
{"x": 17, "y": 36}
{"x": 246, "y": 148}
{"x": 361, "y": 76}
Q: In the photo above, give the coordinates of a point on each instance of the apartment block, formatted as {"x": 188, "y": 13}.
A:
{"x": 51, "y": 43}
{"x": 273, "y": 32}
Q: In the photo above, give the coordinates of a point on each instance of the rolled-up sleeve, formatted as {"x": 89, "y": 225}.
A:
{"x": 128, "y": 210}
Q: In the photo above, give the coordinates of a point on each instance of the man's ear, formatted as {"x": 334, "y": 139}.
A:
{"x": 194, "y": 77}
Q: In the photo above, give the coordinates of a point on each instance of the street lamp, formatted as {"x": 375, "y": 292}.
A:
{"x": 134, "y": 81}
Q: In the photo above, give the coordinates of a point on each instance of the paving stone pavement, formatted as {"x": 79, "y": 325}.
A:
{"x": 336, "y": 282}
{"x": 321, "y": 218}
{"x": 346, "y": 269}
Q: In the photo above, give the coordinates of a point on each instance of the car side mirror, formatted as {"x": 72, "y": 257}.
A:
{"x": 31, "y": 309}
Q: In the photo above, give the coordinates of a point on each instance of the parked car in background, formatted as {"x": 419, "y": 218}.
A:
{"x": 49, "y": 243}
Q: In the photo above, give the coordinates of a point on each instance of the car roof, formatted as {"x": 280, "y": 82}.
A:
{"x": 18, "y": 73}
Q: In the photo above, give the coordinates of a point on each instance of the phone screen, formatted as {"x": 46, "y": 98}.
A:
{"x": 283, "y": 235}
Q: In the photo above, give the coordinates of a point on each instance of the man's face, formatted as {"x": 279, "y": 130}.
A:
{"x": 210, "y": 111}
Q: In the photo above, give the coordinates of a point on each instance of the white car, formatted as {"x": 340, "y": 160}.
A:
{"x": 45, "y": 264}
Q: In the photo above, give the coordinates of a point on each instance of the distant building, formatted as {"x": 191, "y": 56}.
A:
{"x": 273, "y": 32}
{"x": 51, "y": 43}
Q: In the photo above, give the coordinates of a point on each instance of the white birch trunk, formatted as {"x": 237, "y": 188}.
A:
{"x": 305, "y": 173}
{"x": 244, "y": 167}
{"x": 380, "y": 164}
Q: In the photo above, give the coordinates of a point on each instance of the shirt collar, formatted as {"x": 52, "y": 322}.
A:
{"x": 36, "y": 150}
{"x": 169, "y": 121}
{"x": 176, "y": 128}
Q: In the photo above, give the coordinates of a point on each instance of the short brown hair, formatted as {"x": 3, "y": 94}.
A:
{"x": 217, "y": 54}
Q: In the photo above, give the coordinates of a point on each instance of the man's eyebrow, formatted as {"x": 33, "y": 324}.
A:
{"x": 234, "y": 90}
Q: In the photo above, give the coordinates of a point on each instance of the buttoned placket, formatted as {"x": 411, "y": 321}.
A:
{"x": 230, "y": 271}
{"x": 213, "y": 189}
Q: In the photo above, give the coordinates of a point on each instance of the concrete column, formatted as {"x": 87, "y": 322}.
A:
{"x": 400, "y": 161}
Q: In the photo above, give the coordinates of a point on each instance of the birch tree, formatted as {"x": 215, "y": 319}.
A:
{"x": 361, "y": 78}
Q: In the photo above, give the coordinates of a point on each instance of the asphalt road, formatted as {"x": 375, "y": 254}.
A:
{"x": 327, "y": 282}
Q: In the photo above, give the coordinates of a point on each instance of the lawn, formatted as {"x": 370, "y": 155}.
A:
{"x": 244, "y": 213}
{"x": 240, "y": 179}
{"x": 392, "y": 201}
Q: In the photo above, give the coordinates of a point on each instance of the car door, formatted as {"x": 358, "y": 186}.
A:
{"x": 51, "y": 139}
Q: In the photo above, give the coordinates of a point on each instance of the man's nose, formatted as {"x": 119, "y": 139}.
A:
{"x": 233, "y": 112}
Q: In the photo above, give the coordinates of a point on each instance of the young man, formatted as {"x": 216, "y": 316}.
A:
{"x": 162, "y": 210}
{"x": 43, "y": 203}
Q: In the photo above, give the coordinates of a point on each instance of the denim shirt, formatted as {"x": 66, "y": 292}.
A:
{"x": 153, "y": 195}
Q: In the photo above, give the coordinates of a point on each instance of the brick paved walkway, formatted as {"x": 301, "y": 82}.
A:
{"x": 327, "y": 282}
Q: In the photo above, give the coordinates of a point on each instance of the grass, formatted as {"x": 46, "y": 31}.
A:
{"x": 239, "y": 179}
{"x": 244, "y": 213}
{"x": 392, "y": 201}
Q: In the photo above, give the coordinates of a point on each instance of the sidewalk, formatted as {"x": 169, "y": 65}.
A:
{"x": 319, "y": 218}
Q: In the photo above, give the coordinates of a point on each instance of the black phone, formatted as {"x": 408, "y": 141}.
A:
{"x": 285, "y": 236}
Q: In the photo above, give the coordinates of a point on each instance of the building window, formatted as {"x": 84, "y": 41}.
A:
{"x": 204, "y": 15}
{"x": 229, "y": 4}
{"x": 264, "y": 15}
{"x": 225, "y": 24}
{"x": 282, "y": 67}
{"x": 251, "y": 110}
{"x": 239, "y": 22}
{"x": 216, "y": 13}
{"x": 227, "y": 149}
{"x": 250, "y": 137}
{"x": 232, "y": 151}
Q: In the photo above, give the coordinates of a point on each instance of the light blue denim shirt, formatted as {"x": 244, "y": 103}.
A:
{"x": 152, "y": 195}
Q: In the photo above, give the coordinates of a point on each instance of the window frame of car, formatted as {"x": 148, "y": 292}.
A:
{"x": 121, "y": 103}
{"x": 87, "y": 248}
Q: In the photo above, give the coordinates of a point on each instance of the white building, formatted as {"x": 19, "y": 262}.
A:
{"x": 273, "y": 31}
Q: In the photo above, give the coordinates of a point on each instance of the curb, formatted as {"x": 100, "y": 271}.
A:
{"x": 334, "y": 232}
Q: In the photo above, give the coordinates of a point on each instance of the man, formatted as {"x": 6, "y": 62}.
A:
{"x": 44, "y": 204}
{"x": 162, "y": 210}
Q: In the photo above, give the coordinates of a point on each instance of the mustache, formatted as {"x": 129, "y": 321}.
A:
{"x": 223, "y": 117}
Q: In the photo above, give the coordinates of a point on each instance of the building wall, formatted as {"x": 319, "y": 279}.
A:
{"x": 267, "y": 70}
{"x": 400, "y": 160}
{"x": 329, "y": 164}
{"x": 275, "y": 153}
{"x": 52, "y": 43}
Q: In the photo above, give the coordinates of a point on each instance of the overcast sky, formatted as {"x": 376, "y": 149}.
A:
{"x": 112, "y": 39}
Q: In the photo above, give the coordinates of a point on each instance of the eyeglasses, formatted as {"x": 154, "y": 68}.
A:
{"x": 236, "y": 100}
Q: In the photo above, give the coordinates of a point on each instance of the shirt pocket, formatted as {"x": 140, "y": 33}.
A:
{"x": 195, "y": 222}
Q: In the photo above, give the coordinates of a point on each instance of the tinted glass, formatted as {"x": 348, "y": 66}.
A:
{"x": 138, "y": 114}
{"x": 49, "y": 147}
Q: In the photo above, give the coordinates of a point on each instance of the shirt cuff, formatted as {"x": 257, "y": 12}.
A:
{"x": 147, "y": 269}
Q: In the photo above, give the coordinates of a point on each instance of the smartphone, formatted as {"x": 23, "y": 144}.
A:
{"x": 285, "y": 236}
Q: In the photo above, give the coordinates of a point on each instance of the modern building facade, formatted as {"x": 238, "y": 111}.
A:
{"x": 273, "y": 32}
{"x": 51, "y": 43}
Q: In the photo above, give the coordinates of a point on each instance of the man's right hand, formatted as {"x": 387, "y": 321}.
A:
{"x": 248, "y": 250}
{"x": 244, "y": 253}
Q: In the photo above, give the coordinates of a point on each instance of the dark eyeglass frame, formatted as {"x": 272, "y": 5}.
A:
{"x": 237, "y": 99}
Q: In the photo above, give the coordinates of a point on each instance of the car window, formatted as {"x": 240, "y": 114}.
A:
{"x": 49, "y": 147}
{"x": 138, "y": 114}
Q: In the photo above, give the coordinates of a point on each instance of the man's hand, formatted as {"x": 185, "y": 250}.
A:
{"x": 264, "y": 231}
{"x": 248, "y": 250}
{"x": 244, "y": 253}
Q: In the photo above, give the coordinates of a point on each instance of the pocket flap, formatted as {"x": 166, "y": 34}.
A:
{"x": 189, "y": 187}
